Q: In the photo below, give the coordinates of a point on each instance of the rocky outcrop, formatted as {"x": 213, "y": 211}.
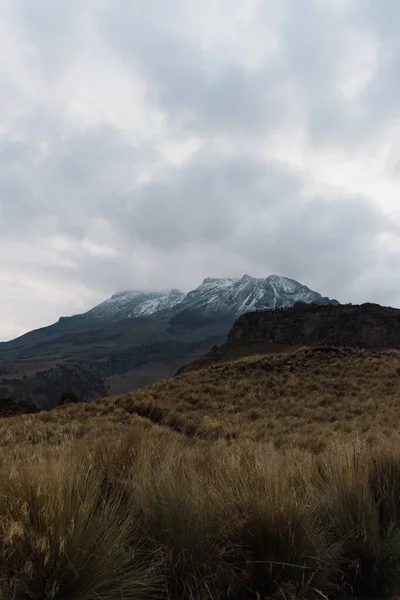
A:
{"x": 261, "y": 332}
{"x": 364, "y": 326}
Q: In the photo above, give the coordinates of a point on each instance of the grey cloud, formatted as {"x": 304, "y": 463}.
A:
{"x": 206, "y": 93}
{"x": 84, "y": 158}
{"x": 241, "y": 205}
{"x": 208, "y": 199}
{"x": 75, "y": 179}
{"x": 379, "y": 17}
{"x": 226, "y": 205}
{"x": 200, "y": 90}
{"x": 318, "y": 42}
{"x": 382, "y": 95}
{"x": 50, "y": 28}
{"x": 333, "y": 239}
{"x": 257, "y": 211}
{"x": 17, "y": 202}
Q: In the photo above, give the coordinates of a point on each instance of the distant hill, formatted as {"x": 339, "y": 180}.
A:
{"x": 136, "y": 338}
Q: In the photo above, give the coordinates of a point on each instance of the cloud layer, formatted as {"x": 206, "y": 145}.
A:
{"x": 153, "y": 146}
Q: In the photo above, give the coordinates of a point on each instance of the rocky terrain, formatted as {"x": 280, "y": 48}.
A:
{"x": 263, "y": 332}
{"x": 364, "y": 326}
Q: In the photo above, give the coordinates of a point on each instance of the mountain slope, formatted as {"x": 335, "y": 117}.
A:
{"x": 135, "y": 338}
{"x": 305, "y": 398}
{"x": 131, "y": 304}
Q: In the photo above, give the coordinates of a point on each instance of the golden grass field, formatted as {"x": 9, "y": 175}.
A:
{"x": 269, "y": 477}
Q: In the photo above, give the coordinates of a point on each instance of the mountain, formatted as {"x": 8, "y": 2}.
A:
{"x": 131, "y": 304}
{"x": 248, "y": 294}
{"x": 213, "y": 296}
{"x": 136, "y": 338}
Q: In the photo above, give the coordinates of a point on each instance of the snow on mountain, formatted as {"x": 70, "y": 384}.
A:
{"x": 130, "y": 304}
{"x": 213, "y": 296}
{"x": 248, "y": 294}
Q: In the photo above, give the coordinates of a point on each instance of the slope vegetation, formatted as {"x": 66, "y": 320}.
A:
{"x": 267, "y": 477}
{"x": 308, "y": 398}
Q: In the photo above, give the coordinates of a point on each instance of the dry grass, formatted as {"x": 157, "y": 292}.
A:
{"x": 154, "y": 514}
{"x": 306, "y": 399}
{"x": 264, "y": 478}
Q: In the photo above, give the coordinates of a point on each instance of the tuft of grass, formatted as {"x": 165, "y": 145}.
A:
{"x": 359, "y": 505}
{"x": 280, "y": 543}
{"x": 155, "y": 514}
{"x": 61, "y": 538}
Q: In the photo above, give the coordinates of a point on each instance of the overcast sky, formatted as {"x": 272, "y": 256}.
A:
{"x": 149, "y": 144}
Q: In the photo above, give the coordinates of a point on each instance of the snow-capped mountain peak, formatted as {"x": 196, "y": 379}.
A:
{"x": 248, "y": 294}
{"x": 231, "y": 296}
{"x": 130, "y": 304}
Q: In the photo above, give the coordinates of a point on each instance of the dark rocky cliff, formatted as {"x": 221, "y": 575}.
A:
{"x": 262, "y": 332}
{"x": 364, "y": 326}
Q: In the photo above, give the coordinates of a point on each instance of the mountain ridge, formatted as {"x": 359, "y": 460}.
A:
{"x": 136, "y": 338}
{"x": 213, "y": 295}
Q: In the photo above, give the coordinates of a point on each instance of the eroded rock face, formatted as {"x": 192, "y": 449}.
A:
{"x": 273, "y": 331}
{"x": 364, "y": 326}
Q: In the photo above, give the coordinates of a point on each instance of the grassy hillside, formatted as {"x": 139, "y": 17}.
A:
{"x": 124, "y": 355}
{"x": 267, "y": 477}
